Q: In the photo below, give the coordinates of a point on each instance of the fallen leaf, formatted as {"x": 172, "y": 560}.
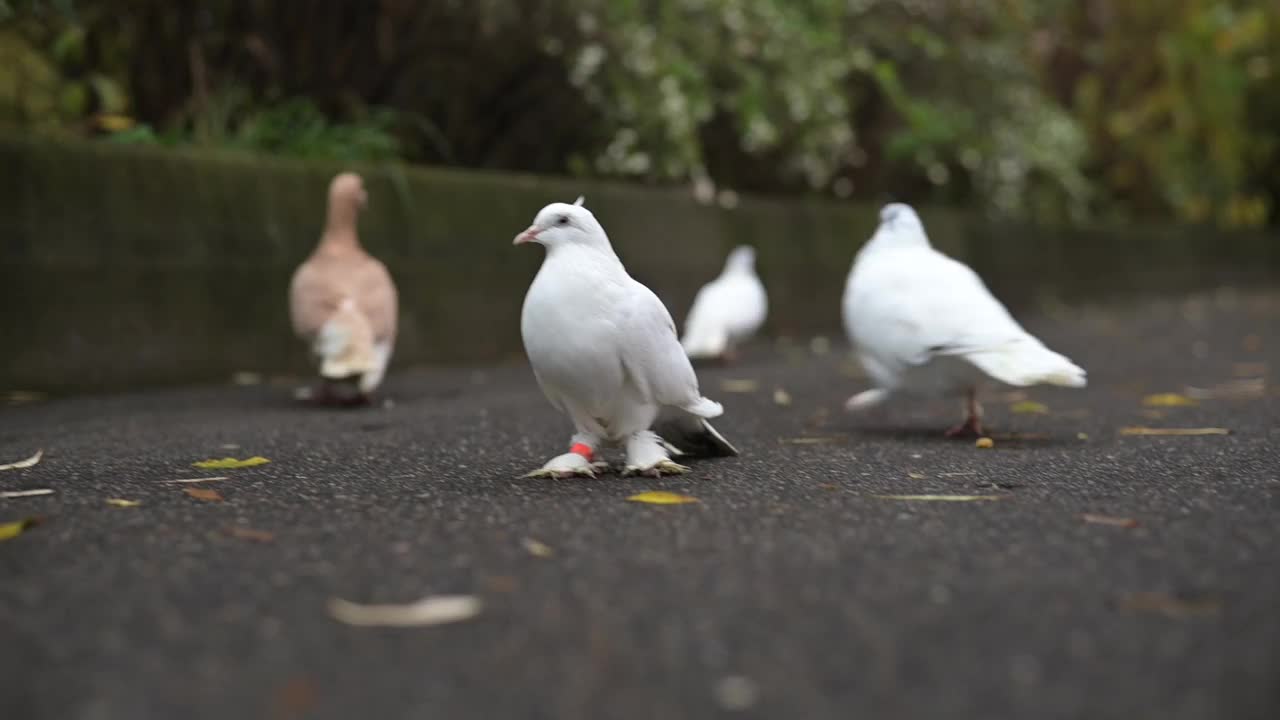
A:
{"x": 434, "y": 610}
{"x": 230, "y": 463}
{"x": 120, "y": 502}
{"x": 1082, "y": 436}
{"x": 194, "y": 480}
{"x": 1029, "y": 407}
{"x": 828, "y": 486}
{"x": 1231, "y": 390}
{"x": 537, "y": 549}
{"x": 742, "y": 385}
{"x": 22, "y": 397}
{"x": 781, "y": 397}
{"x": 942, "y": 498}
{"x": 916, "y": 476}
{"x": 1249, "y": 369}
{"x": 11, "y": 530}
{"x": 1137, "y": 430}
{"x": 662, "y": 497}
{"x": 1170, "y": 606}
{"x": 1168, "y": 400}
{"x": 24, "y": 463}
{"x": 246, "y": 378}
{"x": 1113, "y": 521}
{"x": 245, "y": 533}
{"x": 10, "y": 494}
{"x": 984, "y": 443}
{"x": 812, "y": 440}
{"x": 203, "y": 494}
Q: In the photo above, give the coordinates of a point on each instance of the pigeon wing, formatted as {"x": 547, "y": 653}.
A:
{"x": 652, "y": 357}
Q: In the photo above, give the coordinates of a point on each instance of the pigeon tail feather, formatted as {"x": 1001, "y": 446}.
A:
{"x": 704, "y": 408}
{"x": 705, "y": 342}
{"x": 1028, "y": 362}
{"x": 692, "y": 436}
{"x": 345, "y": 344}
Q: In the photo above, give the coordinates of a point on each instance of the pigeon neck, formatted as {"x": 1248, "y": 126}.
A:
{"x": 340, "y": 227}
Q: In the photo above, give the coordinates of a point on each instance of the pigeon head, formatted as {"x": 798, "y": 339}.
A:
{"x": 742, "y": 258}
{"x": 562, "y": 224}
{"x": 347, "y": 190}
{"x": 900, "y": 222}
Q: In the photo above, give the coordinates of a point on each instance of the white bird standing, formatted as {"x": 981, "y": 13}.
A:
{"x": 727, "y": 310}
{"x": 604, "y": 350}
{"x": 923, "y": 323}
{"x": 343, "y": 302}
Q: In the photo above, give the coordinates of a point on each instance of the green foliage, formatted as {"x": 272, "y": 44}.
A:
{"x": 1051, "y": 109}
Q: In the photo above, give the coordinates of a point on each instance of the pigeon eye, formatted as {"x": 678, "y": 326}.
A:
{"x": 564, "y": 220}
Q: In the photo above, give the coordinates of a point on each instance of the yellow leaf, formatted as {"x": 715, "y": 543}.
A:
{"x": 1137, "y": 430}
{"x": 24, "y": 463}
{"x": 744, "y": 385}
{"x": 11, "y": 530}
{"x": 916, "y": 475}
{"x": 231, "y": 463}
{"x": 1167, "y": 400}
{"x": 34, "y": 492}
{"x": 435, "y": 610}
{"x": 984, "y": 443}
{"x": 119, "y": 502}
{"x": 203, "y": 494}
{"x": 1029, "y": 407}
{"x": 942, "y": 498}
{"x": 662, "y": 497}
{"x": 537, "y": 549}
{"x": 781, "y": 397}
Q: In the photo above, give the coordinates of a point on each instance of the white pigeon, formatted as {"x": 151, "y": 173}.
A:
{"x": 923, "y": 323}
{"x": 604, "y": 350}
{"x": 343, "y": 302}
{"x": 727, "y": 310}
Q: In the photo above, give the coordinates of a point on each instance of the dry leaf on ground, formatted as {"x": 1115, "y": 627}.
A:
{"x": 1170, "y": 606}
{"x": 1029, "y": 407}
{"x": 942, "y": 498}
{"x": 194, "y": 480}
{"x": 24, "y": 463}
{"x": 1111, "y": 520}
{"x": 662, "y": 497}
{"x": 1168, "y": 400}
{"x": 34, "y": 492}
{"x": 781, "y": 397}
{"x": 11, "y": 530}
{"x": 434, "y": 610}
{"x": 984, "y": 443}
{"x": 742, "y": 385}
{"x": 537, "y": 549}
{"x": 1232, "y": 390}
{"x": 229, "y": 463}
{"x": 816, "y": 440}
{"x": 203, "y": 494}
{"x": 121, "y": 502}
{"x": 1138, "y": 430}
{"x": 245, "y": 533}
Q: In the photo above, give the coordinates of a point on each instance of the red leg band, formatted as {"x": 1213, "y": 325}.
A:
{"x": 582, "y": 449}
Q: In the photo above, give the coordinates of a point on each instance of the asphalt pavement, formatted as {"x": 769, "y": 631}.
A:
{"x": 1091, "y": 573}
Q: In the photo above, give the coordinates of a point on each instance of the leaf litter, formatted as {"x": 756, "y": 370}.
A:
{"x": 230, "y": 463}
{"x": 1029, "y": 407}
{"x": 1176, "y": 432}
{"x": 11, "y": 530}
{"x": 432, "y": 610}
{"x": 942, "y": 498}
{"x": 18, "y": 465}
{"x": 194, "y": 480}
{"x": 739, "y": 385}
{"x": 34, "y": 492}
{"x": 537, "y": 549}
{"x": 122, "y": 503}
{"x": 204, "y": 494}
{"x": 1167, "y": 400}
{"x": 1112, "y": 520}
{"x": 662, "y": 497}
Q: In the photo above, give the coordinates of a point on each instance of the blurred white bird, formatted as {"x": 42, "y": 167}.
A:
{"x": 923, "y": 323}
{"x": 604, "y": 350}
{"x": 343, "y": 302}
{"x": 727, "y": 310}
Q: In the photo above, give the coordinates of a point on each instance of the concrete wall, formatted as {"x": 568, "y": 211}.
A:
{"x": 133, "y": 266}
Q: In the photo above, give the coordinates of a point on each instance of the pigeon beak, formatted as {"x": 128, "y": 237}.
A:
{"x": 529, "y": 235}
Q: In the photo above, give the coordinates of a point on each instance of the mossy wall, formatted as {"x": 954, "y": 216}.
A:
{"x": 128, "y": 266}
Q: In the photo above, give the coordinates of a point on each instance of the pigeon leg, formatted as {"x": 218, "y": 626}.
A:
{"x": 973, "y": 420}
{"x": 647, "y": 455}
{"x": 575, "y": 463}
